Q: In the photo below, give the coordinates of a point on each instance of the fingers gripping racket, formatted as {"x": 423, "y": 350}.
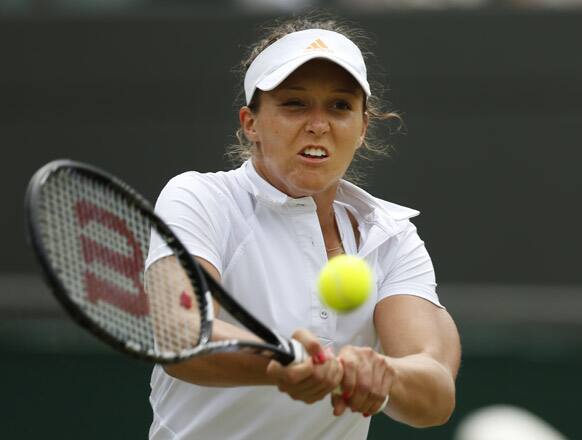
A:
{"x": 91, "y": 233}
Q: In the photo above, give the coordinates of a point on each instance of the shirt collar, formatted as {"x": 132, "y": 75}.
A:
{"x": 266, "y": 193}
{"x": 387, "y": 216}
{"x": 371, "y": 209}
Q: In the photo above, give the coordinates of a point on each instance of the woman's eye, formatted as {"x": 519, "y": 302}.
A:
{"x": 342, "y": 105}
{"x": 293, "y": 103}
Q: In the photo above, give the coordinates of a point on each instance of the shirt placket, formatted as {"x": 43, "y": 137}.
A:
{"x": 310, "y": 242}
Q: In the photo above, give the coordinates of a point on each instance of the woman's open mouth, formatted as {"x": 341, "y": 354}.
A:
{"x": 314, "y": 153}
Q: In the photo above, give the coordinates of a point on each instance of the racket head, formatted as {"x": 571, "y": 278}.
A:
{"x": 91, "y": 234}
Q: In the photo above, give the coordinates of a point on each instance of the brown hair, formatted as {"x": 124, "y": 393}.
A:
{"x": 372, "y": 146}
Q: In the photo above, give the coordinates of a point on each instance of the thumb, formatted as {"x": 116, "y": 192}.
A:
{"x": 273, "y": 367}
{"x": 310, "y": 342}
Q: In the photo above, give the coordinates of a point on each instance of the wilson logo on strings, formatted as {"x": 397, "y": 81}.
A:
{"x": 128, "y": 265}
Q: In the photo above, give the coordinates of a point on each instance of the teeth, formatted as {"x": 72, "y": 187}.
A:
{"x": 317, "y": 152}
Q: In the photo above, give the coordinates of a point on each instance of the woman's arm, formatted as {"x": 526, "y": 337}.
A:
{"x": 307, "y": 381}
{"x": 423, "y": 347}
{"x": 417, "y": 370}
{"x": 223, "y": 369}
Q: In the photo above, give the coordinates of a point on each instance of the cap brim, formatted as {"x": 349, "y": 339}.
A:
{"x": 272, "y": 80}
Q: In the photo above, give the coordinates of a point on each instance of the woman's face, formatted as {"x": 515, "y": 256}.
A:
{"x": 307, "y": 129}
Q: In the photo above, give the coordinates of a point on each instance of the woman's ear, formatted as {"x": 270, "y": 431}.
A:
{"x": 366, "y": 119}
{"x": 247, "y": 122}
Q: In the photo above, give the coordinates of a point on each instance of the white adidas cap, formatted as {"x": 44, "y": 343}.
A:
{"x": 284, "y": 56}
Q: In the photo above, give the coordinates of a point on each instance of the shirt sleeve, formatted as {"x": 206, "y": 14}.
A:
{"x": 409, "y": 268}
{"x": 191, "y": 206}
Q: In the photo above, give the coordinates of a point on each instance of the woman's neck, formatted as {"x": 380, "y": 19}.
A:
{"x": 328, "y": 224}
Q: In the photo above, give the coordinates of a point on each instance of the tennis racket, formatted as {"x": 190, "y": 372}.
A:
{"x": 91, "y": 233}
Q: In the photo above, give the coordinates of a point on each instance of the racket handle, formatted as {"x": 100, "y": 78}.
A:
{"x": 301, "y": 355}
{"x": 299, "y": 352}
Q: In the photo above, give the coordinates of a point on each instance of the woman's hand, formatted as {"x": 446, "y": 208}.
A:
{"x": 366, "y": 382}
{"x": 312, "y": 380}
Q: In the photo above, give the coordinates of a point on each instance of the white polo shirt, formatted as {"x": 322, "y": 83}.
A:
{"x": 268, "y": 249}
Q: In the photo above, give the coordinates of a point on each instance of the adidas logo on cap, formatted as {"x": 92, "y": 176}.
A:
{"x": 317, "y": 44}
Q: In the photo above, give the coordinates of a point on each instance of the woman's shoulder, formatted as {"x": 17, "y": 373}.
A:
{"x": 202, "y": 185}
{"x": 216, "y": 194}
{"x": 217, "y": 180}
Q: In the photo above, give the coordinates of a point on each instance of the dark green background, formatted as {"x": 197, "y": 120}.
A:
{"x": 491, "y": 102}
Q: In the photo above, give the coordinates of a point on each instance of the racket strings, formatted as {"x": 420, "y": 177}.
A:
{"x": 97, "y": 242}
{"x": 176, "y": 318}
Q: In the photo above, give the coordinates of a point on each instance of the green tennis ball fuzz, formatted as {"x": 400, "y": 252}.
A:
{"x": 345, "y": 283}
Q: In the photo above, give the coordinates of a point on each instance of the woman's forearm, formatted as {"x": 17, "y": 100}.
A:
{"x": 423, "y": 391}
{"x": 224, "y": 369}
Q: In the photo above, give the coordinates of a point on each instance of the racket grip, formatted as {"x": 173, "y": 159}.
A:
{"x": 301, "y": 355}
{"x": 299, "y": 351}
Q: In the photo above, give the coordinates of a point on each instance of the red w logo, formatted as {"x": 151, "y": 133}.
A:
{"x": 130, "y": 266}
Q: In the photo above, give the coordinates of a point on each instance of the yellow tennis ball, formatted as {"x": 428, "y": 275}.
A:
{"x": 345, "y": 283}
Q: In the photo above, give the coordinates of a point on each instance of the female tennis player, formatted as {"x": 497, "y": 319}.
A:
{"x": 266, "y": 229}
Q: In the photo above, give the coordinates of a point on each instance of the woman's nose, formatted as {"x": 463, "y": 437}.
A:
{"x": 318, "y": 123}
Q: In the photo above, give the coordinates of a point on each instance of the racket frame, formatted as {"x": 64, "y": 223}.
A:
{"x": 33, "y": 223}
{"x": 276, "y": 347}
